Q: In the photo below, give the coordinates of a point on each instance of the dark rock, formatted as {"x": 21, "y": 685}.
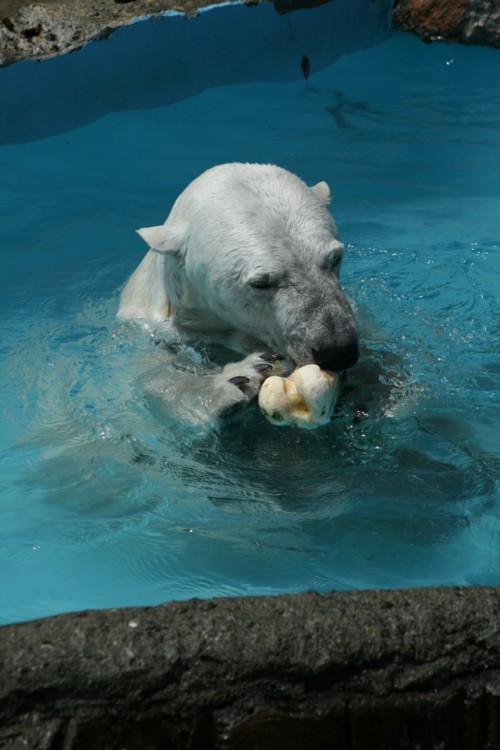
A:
{"x": 286, "y": 6}
{"x": 29, "y": 33}
{"x": 354, "y": 670}
{"x": 8, "y": 24}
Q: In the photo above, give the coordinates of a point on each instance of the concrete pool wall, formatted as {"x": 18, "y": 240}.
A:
{"x": 363, "y": 670}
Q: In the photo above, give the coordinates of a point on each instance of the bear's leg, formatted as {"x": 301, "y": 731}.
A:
{"x": 207, "y": 400}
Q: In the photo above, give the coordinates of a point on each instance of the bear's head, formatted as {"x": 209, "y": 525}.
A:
{"x": 252, "y": 250}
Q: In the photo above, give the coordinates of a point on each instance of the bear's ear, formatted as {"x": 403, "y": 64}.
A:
{"x": 322, "y": 191}
{"x": 163, "y": 239}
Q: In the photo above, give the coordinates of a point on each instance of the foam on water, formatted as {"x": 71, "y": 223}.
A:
{"x": 105, "y": 503}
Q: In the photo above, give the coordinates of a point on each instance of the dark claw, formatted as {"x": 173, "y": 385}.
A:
{"x": 263, "y": 366}
{"x": 359, "y": 414}
{"x": 270, "y": 357}
{"x": 239, "y": 380}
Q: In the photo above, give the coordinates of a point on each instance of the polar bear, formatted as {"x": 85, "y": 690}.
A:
{"x": 249, "y": 256}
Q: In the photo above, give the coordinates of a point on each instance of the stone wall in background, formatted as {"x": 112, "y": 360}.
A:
{"x": 370, "y": 670}
{"x": 464, "y": 21}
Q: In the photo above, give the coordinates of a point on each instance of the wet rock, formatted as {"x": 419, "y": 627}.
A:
{"x": 464, "y": 21}
{"x": 354, "y": 670}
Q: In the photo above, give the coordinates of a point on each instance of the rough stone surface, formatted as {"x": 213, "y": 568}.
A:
{"x": 464, "y": 21}
{"x": 354, "y": 670}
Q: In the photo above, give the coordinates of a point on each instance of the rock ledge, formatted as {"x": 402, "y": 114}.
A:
{"x": 356, "y": 670}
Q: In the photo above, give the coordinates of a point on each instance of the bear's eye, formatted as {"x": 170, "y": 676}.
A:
{"x": 333, "y": 256}
{"x": 263, "y": 282}
{"x": 332, "y": 263}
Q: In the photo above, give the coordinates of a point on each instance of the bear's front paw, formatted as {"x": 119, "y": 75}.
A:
{"x": 239, "y": 382}
{"x": 249, "y": 374}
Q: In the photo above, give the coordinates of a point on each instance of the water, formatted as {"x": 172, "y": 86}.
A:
{"x": 104, "y": 503}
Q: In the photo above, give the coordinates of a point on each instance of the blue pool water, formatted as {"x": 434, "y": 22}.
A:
{"x": 104, "y": 503}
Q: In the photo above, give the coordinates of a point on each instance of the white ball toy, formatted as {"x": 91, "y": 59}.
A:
{"x": 306, "y": 398}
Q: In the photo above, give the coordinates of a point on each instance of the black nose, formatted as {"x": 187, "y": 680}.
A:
{"x": 336, "y": 358}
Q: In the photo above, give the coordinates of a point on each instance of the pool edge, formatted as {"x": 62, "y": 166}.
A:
{"x": 315, "y": 670}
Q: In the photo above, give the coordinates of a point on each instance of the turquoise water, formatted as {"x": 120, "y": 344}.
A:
{"x": 105, "y": 503}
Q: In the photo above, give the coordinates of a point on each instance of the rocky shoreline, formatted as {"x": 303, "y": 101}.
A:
{"x": 35, "y": 31}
